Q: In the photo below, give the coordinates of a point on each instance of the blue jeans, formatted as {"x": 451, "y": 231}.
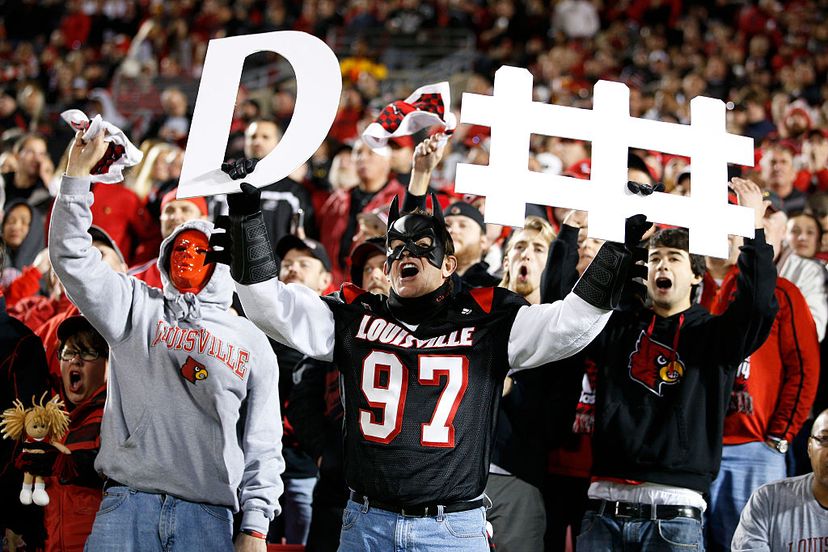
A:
{"x": 374, "y": 530}
{"x": 297, "y": 511}
{"x": 601, "y": 533}
{"x": 133, "y": 521}
{"x": 744, "y": 469}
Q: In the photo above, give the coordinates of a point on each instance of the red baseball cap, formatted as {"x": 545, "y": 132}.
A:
{"x": 199, "y": 202}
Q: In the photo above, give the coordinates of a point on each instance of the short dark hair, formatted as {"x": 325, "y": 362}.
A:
{"x": 92, "y": 338}
{"x": 679, "y": 238}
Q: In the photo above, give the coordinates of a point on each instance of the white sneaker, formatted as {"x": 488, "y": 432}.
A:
{"x": 40, "y": 497}
{"x": 26, "y": 496}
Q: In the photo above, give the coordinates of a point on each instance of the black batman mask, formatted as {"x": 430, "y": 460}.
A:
{"x": 404, "y": 232}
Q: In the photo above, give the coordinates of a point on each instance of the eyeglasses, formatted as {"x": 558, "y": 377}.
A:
{"x": 86, "y": 354}
{"x": 821, "y": 442}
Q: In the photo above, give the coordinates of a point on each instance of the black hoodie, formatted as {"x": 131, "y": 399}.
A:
{"x": 660, "y": 424}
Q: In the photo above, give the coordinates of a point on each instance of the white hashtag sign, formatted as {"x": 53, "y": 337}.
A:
{"x": 508, "y": 184}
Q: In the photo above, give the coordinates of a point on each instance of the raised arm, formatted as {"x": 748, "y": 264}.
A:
{"x": 427, "y": 156}
{"x": 291, "y": 314}
{"x": 261, "y": 484}
{"x": 548, "y": 332}
{"x": 745, "y": 324}
{"x": 102, "y": 295}
{"x": 561, "y": 271}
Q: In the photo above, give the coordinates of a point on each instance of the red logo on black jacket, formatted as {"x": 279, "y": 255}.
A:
{"x": 654, "y": 364}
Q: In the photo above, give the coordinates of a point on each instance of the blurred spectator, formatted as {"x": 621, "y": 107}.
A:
{"x": 11, "y": 116}
{"x": 770, "y": 400}
{"x": 315, "y": 412}
{"x": 24, "y": 376}
{"x": 343, "y": 174}
{"x": 303, "y": 262}
{"x": 576, "y": 18}
{"x": 76, "y": 488}
{"x": 804, "y": 235}
{"x": 779, "y": 175}
{"x": 34, "y": 171}
{"x": 468, "y": 232}
{"x": 157, "y": 175}
{"x": 173, "y": 124}
{"x": 338, "y": 216}
{"x": 758, "y": 125}
{"x": 807, "y": 274}
{"x": 402, "y": 149}
{"x": 22, "y": 234}
{"x": 63, "y": 308}
{"x": 286, "y": 204}
{"x": 517, "y": 467}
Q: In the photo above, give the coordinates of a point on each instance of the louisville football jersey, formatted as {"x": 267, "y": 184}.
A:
{"x": 421, "y": 401}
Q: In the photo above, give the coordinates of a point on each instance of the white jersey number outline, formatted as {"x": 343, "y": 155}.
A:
{"x": 439, "y": 432}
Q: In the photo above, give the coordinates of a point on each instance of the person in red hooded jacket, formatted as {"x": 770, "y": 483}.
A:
{"x": 771, "y": 398}
{"x": 75, "y": 488}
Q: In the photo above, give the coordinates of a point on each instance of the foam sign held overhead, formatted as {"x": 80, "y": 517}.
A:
{"x": 509, "y": 185}
{"x": 318, "y": 87}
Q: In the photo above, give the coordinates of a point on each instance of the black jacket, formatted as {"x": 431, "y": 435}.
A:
{"x": 660, "y": 422}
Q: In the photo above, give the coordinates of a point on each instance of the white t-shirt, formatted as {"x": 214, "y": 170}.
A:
{"x": 783, "y": 516}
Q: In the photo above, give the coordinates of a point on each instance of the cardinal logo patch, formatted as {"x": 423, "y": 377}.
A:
{"x": 192, "y": 370}
{"x": 654, "y": 364}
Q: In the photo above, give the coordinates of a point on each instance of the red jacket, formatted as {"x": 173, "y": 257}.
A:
{"x": 120, "y": 212}
{"x": 776, "y": 386}
{"x": 333, "y": 220}
{"x": 75, "y": 491}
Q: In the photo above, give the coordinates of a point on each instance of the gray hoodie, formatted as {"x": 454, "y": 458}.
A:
{"x": 182, "y": 372}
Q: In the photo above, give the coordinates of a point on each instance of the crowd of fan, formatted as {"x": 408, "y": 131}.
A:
{"x": 766, "y": 60}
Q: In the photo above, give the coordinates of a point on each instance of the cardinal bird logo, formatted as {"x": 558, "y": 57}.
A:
{"x": 192, "y": 370}
{"x": 654, "y": 364}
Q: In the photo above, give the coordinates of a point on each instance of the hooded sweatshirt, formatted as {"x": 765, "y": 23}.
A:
{"x": 32, "y": 244}
{"x": 192, "y": 400}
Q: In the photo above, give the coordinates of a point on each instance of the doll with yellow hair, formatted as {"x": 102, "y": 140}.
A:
{"x": 41, "y": 428}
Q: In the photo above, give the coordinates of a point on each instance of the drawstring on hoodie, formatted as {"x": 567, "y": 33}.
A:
{"x": 186, "y": 307}
{"x": 676, "y": 335}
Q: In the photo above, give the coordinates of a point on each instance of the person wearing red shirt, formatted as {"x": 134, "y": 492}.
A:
{"x": 120, "y": 212}
{"x": 76, "y": 488}
{"x": 338, "y": 216}
{"x": 771, "y": 398}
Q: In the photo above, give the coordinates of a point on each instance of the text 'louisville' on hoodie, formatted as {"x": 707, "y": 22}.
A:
{"x": 183, "y": 370}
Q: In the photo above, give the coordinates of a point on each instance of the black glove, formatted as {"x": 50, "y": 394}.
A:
{"x": 248, "y": 202}
{"x": 240, "y": 168}
{"x": 610, "y": 272}
{"x": 634, "y": 229}
{"x": 251, "y": 254}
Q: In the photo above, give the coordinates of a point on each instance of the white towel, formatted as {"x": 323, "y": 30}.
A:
{"x": 120, "y": 154}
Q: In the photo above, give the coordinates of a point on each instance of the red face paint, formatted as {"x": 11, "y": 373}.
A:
{"x": 188, "y": 272}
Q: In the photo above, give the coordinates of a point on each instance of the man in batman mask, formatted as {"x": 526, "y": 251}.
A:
{"x": 422, "y": 370}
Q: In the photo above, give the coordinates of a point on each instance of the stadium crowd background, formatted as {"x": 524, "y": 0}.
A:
{"x": 137, "y": 63}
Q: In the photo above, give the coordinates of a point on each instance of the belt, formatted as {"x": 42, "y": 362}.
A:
{"x": 109, "y": 483}
{"x": 643, "y": 511}
{"x": 417, "y": 510}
